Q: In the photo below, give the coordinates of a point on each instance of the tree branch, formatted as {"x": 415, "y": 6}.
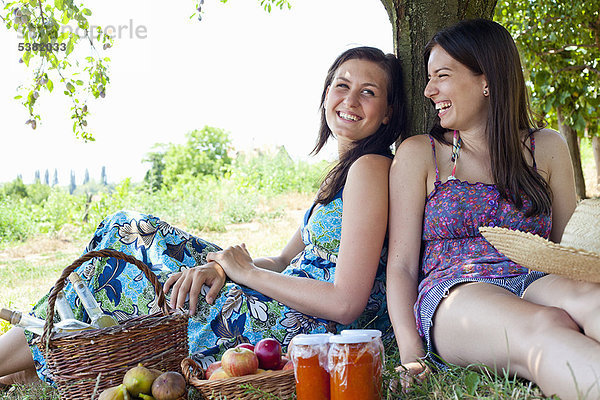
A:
{"x": 564, "y": 48}
{"x": 579, "y": 67}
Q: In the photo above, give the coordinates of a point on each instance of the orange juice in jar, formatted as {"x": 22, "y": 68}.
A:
{"x": 353, "y": 366}
{"x": 309, "y": 355}
{"x": 375, "y": 335}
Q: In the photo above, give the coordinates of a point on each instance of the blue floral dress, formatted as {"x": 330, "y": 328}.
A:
{"x": 239, "y": 314}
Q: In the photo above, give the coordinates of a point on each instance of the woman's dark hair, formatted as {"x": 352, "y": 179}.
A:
{"x": 378, "y": 143}
{"x": 485, "y": 47}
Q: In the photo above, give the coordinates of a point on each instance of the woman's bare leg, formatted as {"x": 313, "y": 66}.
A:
{"x": 482, "y": 323}
{"x": 580, "y": 299}
{"x": 16, "y": 362}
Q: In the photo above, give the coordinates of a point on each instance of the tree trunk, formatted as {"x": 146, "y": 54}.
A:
{"x": 571, "y": 136}
{"x": 596, "y": 150}
{"x": 414, "y": 22}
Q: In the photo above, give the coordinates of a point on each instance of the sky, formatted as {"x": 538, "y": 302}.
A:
{"x": 257, "y": 75}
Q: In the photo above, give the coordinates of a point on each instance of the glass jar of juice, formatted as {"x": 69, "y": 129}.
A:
{"x": 353, "y": 366}
{"x": 309, "y": 355}
{"x": 375, "y": 335}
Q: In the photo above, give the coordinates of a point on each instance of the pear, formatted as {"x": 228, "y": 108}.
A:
{"x": 115, "y": 393}
{"x": 139, "y": 380}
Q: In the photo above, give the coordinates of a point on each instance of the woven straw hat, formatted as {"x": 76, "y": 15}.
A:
{"x": 577, "y": 256}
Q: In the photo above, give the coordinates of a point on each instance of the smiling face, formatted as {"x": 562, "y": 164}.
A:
{"x": 458, "y": 93}
{"x": 356, "y": 101}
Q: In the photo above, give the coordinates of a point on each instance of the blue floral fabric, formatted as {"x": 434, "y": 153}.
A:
{"x": 239, "y": 314}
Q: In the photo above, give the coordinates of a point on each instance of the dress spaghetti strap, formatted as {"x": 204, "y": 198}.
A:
{"x": 437, "y": 171}
{"x": 532, "y": 144}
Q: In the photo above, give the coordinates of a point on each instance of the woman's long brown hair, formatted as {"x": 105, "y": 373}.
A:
{"x": 485, "y": 47}
{"x": 378, "y": 143}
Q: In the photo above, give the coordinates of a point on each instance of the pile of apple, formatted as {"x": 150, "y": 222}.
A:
{"x": 248, "y": 359}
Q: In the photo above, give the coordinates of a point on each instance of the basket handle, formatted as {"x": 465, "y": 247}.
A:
{"x": 191, "y": 370}
{"x": 60, "y": 284}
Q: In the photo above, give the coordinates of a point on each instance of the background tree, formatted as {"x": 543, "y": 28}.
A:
{"x": 414, "y": 22}
{"x": 205, "y": 153}
{"x": 154, "y": 175}
{"x": 86, "y": 177}
{"x": 36, "y": 178}
{"x": 72, "y": 184}
{"x": 103, "y": 179}
{"x": 560, "y": 46}
{"x": 55, "y": 178}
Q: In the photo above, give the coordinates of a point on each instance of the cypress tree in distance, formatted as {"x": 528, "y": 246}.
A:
{"x": 46, "y": 178}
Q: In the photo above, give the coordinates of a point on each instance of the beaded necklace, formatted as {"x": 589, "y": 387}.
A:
{"x": 456, "y": 143}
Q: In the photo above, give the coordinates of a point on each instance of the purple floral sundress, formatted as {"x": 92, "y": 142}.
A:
{"x": 454, "y": 249}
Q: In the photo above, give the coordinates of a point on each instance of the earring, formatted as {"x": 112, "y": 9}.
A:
{"x": 485, "y": 92}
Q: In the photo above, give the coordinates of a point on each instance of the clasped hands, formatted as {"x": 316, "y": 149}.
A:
{"x": 234, "y": 262}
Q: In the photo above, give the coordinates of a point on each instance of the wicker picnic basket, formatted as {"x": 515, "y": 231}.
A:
{"x": 279, "y": 383}
{"x": 84, "y": 363}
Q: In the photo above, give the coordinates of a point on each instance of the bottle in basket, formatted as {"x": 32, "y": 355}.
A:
{"x": 62, "y": 307}
{"x": 36, "y": 325}
{"x": 97, "y": 317}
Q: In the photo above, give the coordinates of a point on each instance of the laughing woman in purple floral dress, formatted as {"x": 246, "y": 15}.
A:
{"x": 331, "y": 274}
{"x": 451, "y": 294}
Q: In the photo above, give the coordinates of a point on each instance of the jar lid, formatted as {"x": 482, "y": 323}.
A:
{"x": 311, "y": 339}
{"x": 374, "y": 333}
{"x": 350, "y": 338}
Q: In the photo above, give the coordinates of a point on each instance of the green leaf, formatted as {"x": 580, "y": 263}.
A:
{"x": 18, "y": 97}
{"x": 86, "y": 11}
{"x": 50, "y": 85}
{"x": 472, "y": 382}
{"x": 26, "y": 57}
{"x": 58, "y": 4}
{"x": 70, "y": 46}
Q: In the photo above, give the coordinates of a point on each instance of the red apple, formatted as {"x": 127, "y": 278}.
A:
{"x": 211, "y": 368}
{"x": 284, "y": 360}
{"x": 268, "y": 352}
{"x": 248, "y": 346}
{"x": 239, "y": 362}
{"x": 218, "y": 374}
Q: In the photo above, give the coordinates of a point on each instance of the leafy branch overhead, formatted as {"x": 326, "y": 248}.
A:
{"x": 50, "y": 36}
{"x": 61, "y": 49}
{"x": 560, "y": 46}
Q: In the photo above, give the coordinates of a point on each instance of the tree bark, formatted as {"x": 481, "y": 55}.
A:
{"x": 571, "y": 136}
{"x": 596, "y": 150}
{"x": 414, "y": 22}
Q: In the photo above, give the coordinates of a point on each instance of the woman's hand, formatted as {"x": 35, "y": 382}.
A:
{"x": 190, "y": 282}
{"x": 235, "y": 261}
{"x": 411, "y": 372}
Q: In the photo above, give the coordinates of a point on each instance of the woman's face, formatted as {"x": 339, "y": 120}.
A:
{"x": 458, "y": 93}
{"x": 356, "y": 100}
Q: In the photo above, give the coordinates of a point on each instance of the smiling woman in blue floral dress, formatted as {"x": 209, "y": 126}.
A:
{"x": 329, "y": 276}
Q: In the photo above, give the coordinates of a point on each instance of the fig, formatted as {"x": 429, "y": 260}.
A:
{"x": 139, "y": 380}
{"x": 144, "y": 396}
{"x": 115, "y": 393}
{"x": 169, "y": 386}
